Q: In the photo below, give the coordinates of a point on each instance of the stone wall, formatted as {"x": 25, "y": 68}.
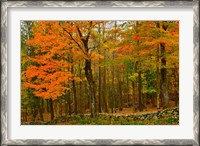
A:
{"x": 170, "y": 112}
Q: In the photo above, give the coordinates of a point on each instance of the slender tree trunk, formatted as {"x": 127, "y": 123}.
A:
{"x": 47, "y": 107}
{"x": 119, "y": 89}
{"x": 80, "y": 86}
{"x": 74, "y": 91}
{"x": 42, "y": 103}
{"x": 65, "y": 104}
{"x": 87, "y": 95}
{"x": 158, "y": 79}
{"x": 176, "y": 85}
{"x": 163, "y": 71}
{"x": 145, "y": 100}
{"x": 41, "y": 109}
{"x": 60, "y": 109}
{"x": 113, "y": 88}
{"x": 105, "y": 90}
{"x": 51, "y": 109}
{"x": 94, "y": 84}
{"x": 127, "y": 87}
{"x": 99, "y": 88}
{"x": 160, "y": 88}
{"x": 133, "y": 88}
{"x": 120, "y": 95}
{"x": 139, "y": 91}
{"x": 100, "y": 83}
{"x": 69, "y": 102}
{"x": 34, "y": 109}
{"x": 164, "y": 77}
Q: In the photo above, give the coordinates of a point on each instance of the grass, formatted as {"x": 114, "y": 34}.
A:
{"x": 119, "y": 121}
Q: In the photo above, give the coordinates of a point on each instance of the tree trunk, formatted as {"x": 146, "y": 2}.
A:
{"x": 80, "y": 86}
{"x": 74, "y": 92}
{"x": 158, "y": 79}
{"x": 56, "y": 111}
{"x": 66, "y": 107}
{"x": 105, "y": 100}
{"x": 120, "y": 90}
{"x": 164, "y": 77}
{"x": 127, "y": 87}
{"x": 41, "y": 109}
{"x": 51, "y": 109}
{"x": 94, "y": 84}
{"x": 60, "y": 109}
{"x": 69, "y": 102}
{"x": 88, "y": 74}
{"x": 99, "y": 88}
{"x": 139, "y": 91}
{"x": 133, "y": 88}
{"x": 34, "y": 109}
{"x": 113, "y": 88}
{"x": 176, "y": 86}
{"x": 47, "y": 107}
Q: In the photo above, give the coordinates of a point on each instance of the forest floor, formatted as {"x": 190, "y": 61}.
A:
{"x": 80, "y": 119}
{"x": 125, "y": 111}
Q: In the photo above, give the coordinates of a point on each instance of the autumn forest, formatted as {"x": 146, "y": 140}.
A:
{"x": 100, "y": 72}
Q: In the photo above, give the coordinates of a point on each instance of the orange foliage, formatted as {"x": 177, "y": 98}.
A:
{"x": 58, "y": 45}
{"x": 48, "y": 75}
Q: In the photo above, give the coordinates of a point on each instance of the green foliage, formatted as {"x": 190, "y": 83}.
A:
{"x": 134, "y": 77}
{"x": 120, "y": 121}
{"x": 150, "y": 90}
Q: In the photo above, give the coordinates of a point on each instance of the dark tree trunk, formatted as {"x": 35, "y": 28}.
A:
{"x": 113, "y": 88}
{"x": 133, "y": 88}
{"x": 48, "y": 107}
{"x": 104, "y": 94}
{"x": 120, "y": 90}
{"x": 139, "y": 91}
{"x": 34, "y": 108}
{"x": 164, "y": 77}
{"x": 99, "y": 88}
{"x": 88, "y": 73}
{"x": 65, "y": 104}
{"x": 51, "y": 109}
{"x": 69, "y": 102}
{"x": 41, "y": 109}
{"x": 127, "y": 87}
{"x": 158, "y": 78}
{"x": 120, "y": 95}
{"x": 60, "y": 109}
{"x": 42, "y": 105}
{"x": 176, "y": 85}
{"x": 74, "y": 92}
{"x": 80, "y": 85}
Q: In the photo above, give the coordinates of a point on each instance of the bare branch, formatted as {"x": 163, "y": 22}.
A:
{"x": 71, "y": 37}
{"x": 74, "y": 40}
{"x": 79, "y": 32}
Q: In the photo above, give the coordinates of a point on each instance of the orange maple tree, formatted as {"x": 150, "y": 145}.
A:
{"x": 48, "y": 74}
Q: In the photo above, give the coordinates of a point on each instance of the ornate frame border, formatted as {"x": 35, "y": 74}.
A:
{"x": 4, "y": 127}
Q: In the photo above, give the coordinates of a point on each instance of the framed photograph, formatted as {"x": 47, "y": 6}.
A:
{"x": 95, "y": 72}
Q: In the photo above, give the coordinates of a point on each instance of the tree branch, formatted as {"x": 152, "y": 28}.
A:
{"x": 74, "y": 40}
{"x": 79, "y": 32}
{"x": 71, "y": 37}
{"x": 88, "y": 35}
